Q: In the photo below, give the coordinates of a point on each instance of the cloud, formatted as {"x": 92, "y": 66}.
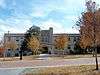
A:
{"x": 15, "y": 25}
{"x": 61, "y": 15}
{"x": 71, "y": 17}
{"x": 57, "y": 27}
{"x": 38, "y": 12}
{"x": 2, "y": 3}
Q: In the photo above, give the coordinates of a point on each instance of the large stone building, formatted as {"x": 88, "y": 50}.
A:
{"x": 17, "y": 38}
{"x": 47, "y": 40}
{"x": 72, "y": 40}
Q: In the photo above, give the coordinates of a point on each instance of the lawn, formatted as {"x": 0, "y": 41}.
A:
{"x": 68, "y": 70}
{"x": 54, "y": 57}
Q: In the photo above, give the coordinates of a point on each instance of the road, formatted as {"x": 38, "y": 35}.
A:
{"x": 15, "y": 67}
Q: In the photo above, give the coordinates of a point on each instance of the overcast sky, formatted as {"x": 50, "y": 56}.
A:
{"x": 17, "y": 16}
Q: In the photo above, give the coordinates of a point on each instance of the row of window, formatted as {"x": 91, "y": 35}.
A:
{"x": 74, "y": 38}
{"x": 45, "y": 39}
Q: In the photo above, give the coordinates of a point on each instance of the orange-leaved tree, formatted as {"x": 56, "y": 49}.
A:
{"x": 89, "y": 25}
{"x": 86, "y": 30}
{"x": 12, "y": 44}
{"x": 61, "y": 42}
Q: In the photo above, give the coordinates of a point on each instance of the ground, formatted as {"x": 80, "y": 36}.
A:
{"x": 14, "y": 64}
{"x": 66, "y": 70}
{"x": 48, "y": 61}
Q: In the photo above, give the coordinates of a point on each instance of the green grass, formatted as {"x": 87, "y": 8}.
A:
{"x": 68, "y": 70}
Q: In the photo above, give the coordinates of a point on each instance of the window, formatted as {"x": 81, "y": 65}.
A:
{"x": 69, "y": 38}
{"x": 69, "y": 47}
{"x": 46, "y": 39}
{"x": 74, "y": 38}
{"x": 21, "y": 41}
{"x": 21, "y": 38}
{"x": 17, "y": 40}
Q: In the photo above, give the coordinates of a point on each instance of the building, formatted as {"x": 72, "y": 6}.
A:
{"x": 17, "y": 39}
{"x": 46, "y": 38}
{"x": 73, "y": 39}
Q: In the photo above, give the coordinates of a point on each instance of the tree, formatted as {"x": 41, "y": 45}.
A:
{"x": 34, "y": 44}
{"x": 77, "y": 48}
{"x": 10, "y": 45}
{"x": 1, "y": 48}
{"x": 86, "y": 30}
{"x": 34, "y": 30}
{"x": 61, "y": 42}
{"x": 89, "y": 25}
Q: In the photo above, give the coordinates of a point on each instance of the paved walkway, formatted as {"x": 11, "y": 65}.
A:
{"x": 47, "y": 62}
{"x": 16, "y": 67}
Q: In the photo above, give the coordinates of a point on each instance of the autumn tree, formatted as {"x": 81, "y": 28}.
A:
{"x": 61, "y": 42}
{"x": 89, "y": 27}
{"x": 11, "y": 45}
{"x": 34, "y": 44}
{"x": 86, "y": 25}
{"x": 86, "y": 30}
{"x": 34, "y": 30}
{"x": 1, "y": 48}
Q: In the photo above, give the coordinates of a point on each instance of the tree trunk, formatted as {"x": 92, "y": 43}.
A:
{"x": 96, "y": 58}
{"x": 93, "y": 53}
{"x": 20, "y": 54}
{"x": 4, "y": 56}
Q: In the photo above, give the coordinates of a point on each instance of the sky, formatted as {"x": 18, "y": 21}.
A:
{"x": 17, "y": 16}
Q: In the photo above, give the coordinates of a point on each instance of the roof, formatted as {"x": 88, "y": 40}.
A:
{"x": 14, "y": 34}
